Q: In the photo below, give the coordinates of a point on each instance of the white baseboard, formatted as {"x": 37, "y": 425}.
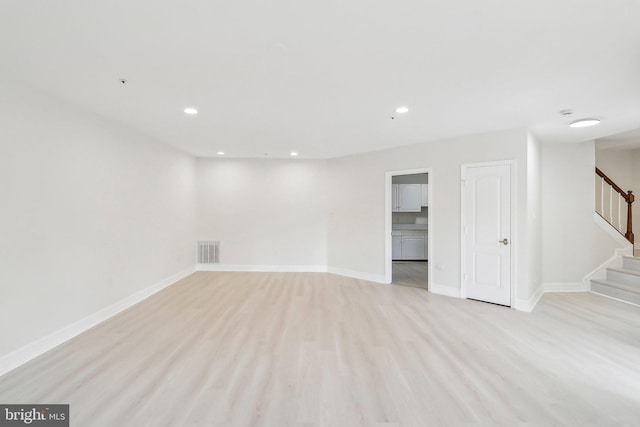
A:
{"x": 444, "y": 290}
{"x": 566, "y": 287}
{"x": 293, "y": 269}
{"x": 48, "y": 342}
{"x": 378, "y": 278}
{"x": 529, "y": 304}
{"x": 263, "y": 268}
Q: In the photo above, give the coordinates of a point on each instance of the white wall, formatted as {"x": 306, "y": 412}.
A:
{"x": 572, "y": 244}
{"x": 410, "y": 217}
{"x": 534, "y": 217}
{"x": 617, "y": 164}
{"x": 357, "y": 209}
{"x": 264, "y": 212}
{"x": 90, "y": 214}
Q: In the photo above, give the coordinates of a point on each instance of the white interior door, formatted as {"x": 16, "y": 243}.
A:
{"x": 486, "y": 233}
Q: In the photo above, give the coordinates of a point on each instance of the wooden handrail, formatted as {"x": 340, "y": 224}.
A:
{"x": 628, "y": 197}
{"x": 625, "y": 195}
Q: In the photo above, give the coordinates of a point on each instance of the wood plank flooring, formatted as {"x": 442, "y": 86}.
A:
{"x": 410, "y": 273}
{"x": 316, "y": 349}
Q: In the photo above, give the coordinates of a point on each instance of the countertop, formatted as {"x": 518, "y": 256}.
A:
{"x": 408, "y": 226}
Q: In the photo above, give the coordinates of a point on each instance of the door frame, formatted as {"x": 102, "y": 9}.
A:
{"x": 388, "y": 201}
{"x": 514, "y": 224}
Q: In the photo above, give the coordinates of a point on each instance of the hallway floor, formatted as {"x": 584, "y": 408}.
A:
{"x": 410, "y": 273}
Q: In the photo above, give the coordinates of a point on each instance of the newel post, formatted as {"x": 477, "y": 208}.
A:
{"x": 629, "y": 233}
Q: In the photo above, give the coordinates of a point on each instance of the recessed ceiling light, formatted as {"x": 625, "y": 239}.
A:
{"x": 583, "y": 123}
{"x": 220, "y": 153}
{"x": 190, "y": 110}
{"x": 402, "y": 110}
{"x": 293, "y": 153}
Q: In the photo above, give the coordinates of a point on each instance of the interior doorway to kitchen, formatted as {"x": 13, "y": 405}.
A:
{"x": 408, "y": 227}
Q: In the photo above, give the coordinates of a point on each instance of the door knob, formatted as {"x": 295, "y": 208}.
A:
{"x": 504, "y": 241}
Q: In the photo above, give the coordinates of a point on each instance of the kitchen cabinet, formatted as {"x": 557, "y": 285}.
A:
{"x": 406, "y": 197}
{"x": 424, "y": 188}
{"x": 413, "y": 247}
{"x": 394, "y": 197}
{"x": 396, "y": 245}
{"x": 409, "y": 245}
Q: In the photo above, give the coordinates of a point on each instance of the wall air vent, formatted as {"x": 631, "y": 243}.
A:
{"x": 208, "y": 252}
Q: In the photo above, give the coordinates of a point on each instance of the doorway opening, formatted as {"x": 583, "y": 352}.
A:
{"x": 408, "y": 227}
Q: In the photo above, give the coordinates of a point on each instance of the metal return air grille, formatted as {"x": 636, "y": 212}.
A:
{"x": 208, "y": 252}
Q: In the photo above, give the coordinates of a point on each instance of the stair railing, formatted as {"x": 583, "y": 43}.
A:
{"x": 610, "y": 200}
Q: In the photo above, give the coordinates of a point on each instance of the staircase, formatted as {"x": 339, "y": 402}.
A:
{"x": 610, "y": 205}
{"x": 621, "y": 274}
{"x": 621, "y": 283}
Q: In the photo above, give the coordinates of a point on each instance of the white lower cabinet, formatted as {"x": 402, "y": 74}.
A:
{"x": 396, "y": 245}
{"x": 409, "y": 245}
{"x": 413, "y": 247}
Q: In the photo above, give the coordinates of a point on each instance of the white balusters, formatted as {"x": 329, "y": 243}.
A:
{"x": 616, "y": 212}
{"x": 619, "y": 214}
{"x": 610, "y": 205}
{"x": 602, "y": 186}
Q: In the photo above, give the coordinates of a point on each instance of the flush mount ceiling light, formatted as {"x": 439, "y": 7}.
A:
{"x": 402, "y": 110}
{"x": 190, "y": 110}
{"x": 293, "y": 153}
{"x": 220, "y": 153}
{"x": 583, "y": 123}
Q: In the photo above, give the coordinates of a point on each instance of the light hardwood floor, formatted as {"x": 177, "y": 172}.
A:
{"x": 315, "y": 349}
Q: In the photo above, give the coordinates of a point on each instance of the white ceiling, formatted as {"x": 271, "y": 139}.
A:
{"x": 324, "y": 77}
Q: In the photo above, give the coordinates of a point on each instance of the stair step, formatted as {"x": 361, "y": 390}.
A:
{"x": 625, "y": 271}
{"x": 624, "y": 275}
{"x": 617, "y": 285}
{"x": 616, "y": 290}
{"x": 631, "y": 263}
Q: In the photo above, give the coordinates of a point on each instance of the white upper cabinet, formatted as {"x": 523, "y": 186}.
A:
{"x": 410, "y": 198}
{"x": 425, "y": 194}
{"x": 407, "y": 197}
{"x": 394, "y": 197}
